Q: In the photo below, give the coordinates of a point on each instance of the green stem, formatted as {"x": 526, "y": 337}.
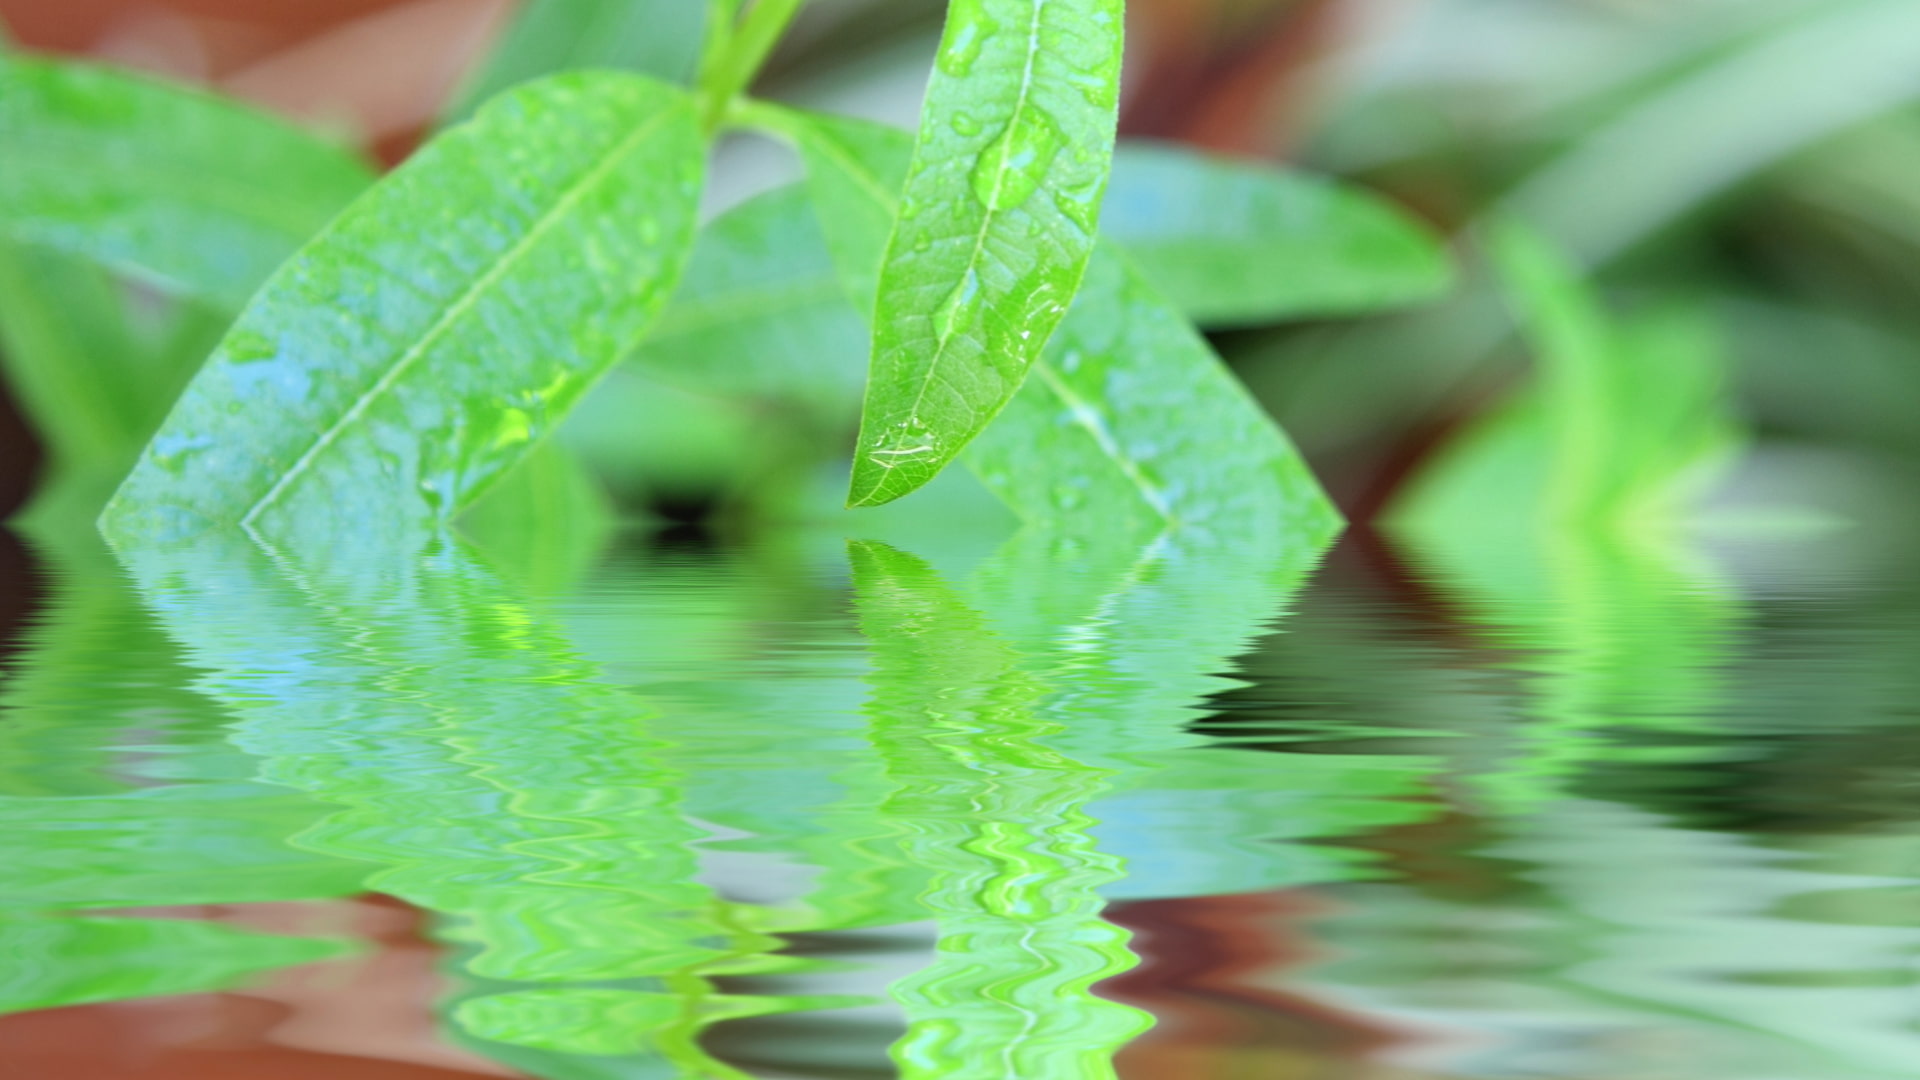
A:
{"x": 738, "y": 51}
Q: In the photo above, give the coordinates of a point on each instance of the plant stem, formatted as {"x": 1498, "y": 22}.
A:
{"x": 732, "y": 64}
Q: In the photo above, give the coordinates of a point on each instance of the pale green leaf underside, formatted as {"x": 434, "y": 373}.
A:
{"x": 660, "y": 38}
{"x": 1103, "y": 431}
{"x": 997, "y": 220}
{"x": 427, "y": 339}
{"x": 1235, "y": 244}
{"x": 172, "y": 185}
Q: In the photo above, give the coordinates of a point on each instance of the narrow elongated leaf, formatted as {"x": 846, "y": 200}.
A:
{"x": 660, "y": 38}
{"x": 1142, "y": 427}
{"x": 1235, "y": 244}
{"x": 995, "y": 228}
{"x": 1103, "y": 433}
{"x": 186, "y": 190}
{"x": 422, "y": 344}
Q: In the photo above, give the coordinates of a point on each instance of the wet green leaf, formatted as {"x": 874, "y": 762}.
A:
{"x": 660, "y": 38}
{"x": 1109, "y": 406}
{"x": 1143, "y": 429}
{"x": 1236, "y": 244}
{"x": 996, "y": 223}
{"x": 433, "y": 334}
{"x": 186, "y": 190}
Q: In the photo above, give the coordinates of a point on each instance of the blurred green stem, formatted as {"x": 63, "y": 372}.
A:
{"x": 737, "y": 50}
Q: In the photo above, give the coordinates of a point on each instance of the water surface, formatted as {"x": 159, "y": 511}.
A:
{"x": 1051, "y": 808}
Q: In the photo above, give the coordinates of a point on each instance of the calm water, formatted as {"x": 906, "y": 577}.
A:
{"x": 1043, "y": 811}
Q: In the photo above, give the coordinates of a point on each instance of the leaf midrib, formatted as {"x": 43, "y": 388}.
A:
{"x": 1077, "y": 407}
{"x": 986, "y": 220}
{"x": 455, "y": 310}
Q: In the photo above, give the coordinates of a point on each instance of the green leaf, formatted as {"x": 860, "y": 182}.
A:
{"x": 1234, "y": 244}
{"x": 1142, "y": 428}
{"x": 1623, "y": 419}
{"x": 419, "y": 347}
{"x": 761, "y": 314}
{"x": 172, "y": 185}
{"x": 660, "y": 38}
{"x": 1102, "y": 434}
{"x": 996, "y": 224}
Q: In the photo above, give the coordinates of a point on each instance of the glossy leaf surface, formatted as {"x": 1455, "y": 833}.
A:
{"x": 186, "y": 190}
{"x": 1238, "y": 244}
{"x": 1142, "y": 427}
{"x": 996, "y": 224}
{"x": 660, "y": 38}
{"x": 422, "y": 345}
{"x": 1101, "y": 436}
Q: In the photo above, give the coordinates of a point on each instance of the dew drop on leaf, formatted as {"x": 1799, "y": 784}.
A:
{"x": 1009, "y": 171}
{"x": 960, "y": 308}
{"x": 964, "y": 123}
{"x": 905, "y": 440}
{"x": 968, "y": 28}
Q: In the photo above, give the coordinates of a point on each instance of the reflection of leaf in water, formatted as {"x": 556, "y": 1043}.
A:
{"x": 474, "y": 755}
{"x": 117, "y": 788}
{"x": 998, "y": 819}
{"x": 66, "y": 961}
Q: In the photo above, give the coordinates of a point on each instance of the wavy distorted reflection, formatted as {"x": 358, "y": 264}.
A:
{"x": 1051, "y": 807}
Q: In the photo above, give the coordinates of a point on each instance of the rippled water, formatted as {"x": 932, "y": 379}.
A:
{"x": 1046, "y": 810}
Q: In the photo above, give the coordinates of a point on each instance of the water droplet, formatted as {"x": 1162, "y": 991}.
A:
{"x": 904, "y": 441}
{"x": 249, "y": 346}
{"x": 909, "y": 208}
{"x": 513, "y": 427}
{"x": 960, "y": 308}
{"x": 1010, "y": 170}
{"x": 968, "y": 29}
{"x": 965, "y": 124}
{"x": 922, "y": 243}
{"x": 1099, "y": 89}
{"x": 1081, "y": 205}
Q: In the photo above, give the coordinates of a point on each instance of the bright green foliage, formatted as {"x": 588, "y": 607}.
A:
{"x": 62, "y": 961}
{"x": 1233, "y": 244}
{"x": 660, "y": 38}
{"x": 1623, "y": 422}
{"x": 431, "y": 336}
{"x": 186, "y": 190}
{"x": 1112, "y": 411}
{"x": 996, "y": 223}
{"x": 761, "y": 315}
{"x": 1109, "y": 407}
{"x": 999, "y": 819}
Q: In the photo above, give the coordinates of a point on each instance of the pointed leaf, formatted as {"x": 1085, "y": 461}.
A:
{"x": 189, "y": 191}
{"x": 421, "y": 345}
{"x": 1142, "y": 427}
{"x": 1095, "y": 436}
{"x": 660, "y": 38}
{"x": 1236, "y": 244}
{"x": 995, "y": 227}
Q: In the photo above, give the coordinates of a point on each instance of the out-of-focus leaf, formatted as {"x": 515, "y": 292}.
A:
{"x": 1142, "y": 427}
{"x": 1693, "y": 137}
{"x": 761, "y": 314}
{"x": 544, "y": 522}
{"x": 996, "y": 223}
{"x": 418, "y": 348}
{"x": 1623, "y": 417}
{"x": 62, "y": 961}
{"x": 855, "y": 170}
{"x": 192, "y": 192}
{"x": 1236, "y": 244}
{"x": 660, "y": 38}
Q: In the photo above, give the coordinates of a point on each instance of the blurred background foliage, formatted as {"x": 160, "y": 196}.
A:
{"x": 1732, "y": 179}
